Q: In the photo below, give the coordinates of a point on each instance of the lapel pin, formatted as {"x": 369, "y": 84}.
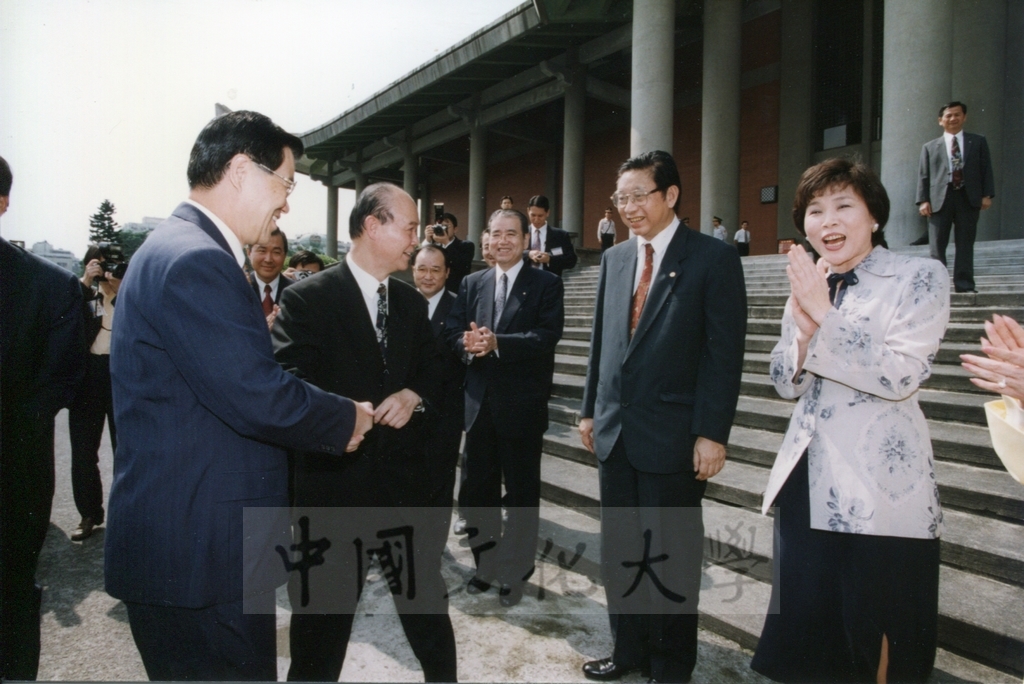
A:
{"x": 672, "y": 274}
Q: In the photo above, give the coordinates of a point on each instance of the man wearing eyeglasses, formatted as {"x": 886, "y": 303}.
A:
{"x": 661, "y": 391}
{"x": 205, "y": 415}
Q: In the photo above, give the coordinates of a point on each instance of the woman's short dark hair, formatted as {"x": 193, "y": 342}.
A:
{"x": 303, "y": 257}
{"x": 662, "y": 167}
{"x": 374, "y": 201}
{"x": 834, "y": 174}
{"x": 248, "y": 133}
{"x": 92, "y": 252}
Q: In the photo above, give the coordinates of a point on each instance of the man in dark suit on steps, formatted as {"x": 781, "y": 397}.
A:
{"x": 505, "y": 324}
{"x": 547, "y": 247}
{"x": 355, "y": 329}
{"x": 662, "y": 384}
{"x": 954, "y": 184}
{"x": 204, "y": 417}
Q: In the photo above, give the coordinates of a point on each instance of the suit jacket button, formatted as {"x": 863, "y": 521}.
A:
{"x": 625, "y": 404}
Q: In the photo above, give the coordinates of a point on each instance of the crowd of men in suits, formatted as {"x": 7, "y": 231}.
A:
{"x": 358, "y": 399}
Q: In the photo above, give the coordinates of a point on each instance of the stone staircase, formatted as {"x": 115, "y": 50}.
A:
{"x": 981, "y": 633}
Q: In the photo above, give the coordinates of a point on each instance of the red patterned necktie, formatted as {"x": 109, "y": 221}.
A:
{"x": 268, "y": 303}
{"x": 640, "y": 296}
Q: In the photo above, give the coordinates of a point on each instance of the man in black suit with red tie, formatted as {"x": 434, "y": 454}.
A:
{"x": 663, "y": 379}
{"x": 267, "y": 259}
{"x": 505, "y": 324}
{"x": 355, "y": 327}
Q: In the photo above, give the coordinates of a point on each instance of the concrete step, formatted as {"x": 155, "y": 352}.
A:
{"x": 576, "y": 333}
{"x": 978, "y": 615}
{"x": 573, "y": 347}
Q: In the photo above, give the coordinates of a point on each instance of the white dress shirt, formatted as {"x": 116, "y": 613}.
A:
{"x": 274, "y": 284}
{"x": 368, "y": 287}
{"x": 605, "y": 227}
{"x": 660, "y": 244}
{"x": 721, "y": 233}
{"x": 432, "y": 302}
{"x": 948, "y": 137}
{"x": 741, "y": 236}
{"x": 229, "y": 235}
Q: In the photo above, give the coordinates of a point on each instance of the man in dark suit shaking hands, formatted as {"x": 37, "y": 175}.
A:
{"x": 205, "y": 415}
{"x": 663, "y": 379}
{"x": 954, "y": 184}
{"x": 505, "y": 323}
{"x": 548, "y": 248}
{"x": 356, "y": 330}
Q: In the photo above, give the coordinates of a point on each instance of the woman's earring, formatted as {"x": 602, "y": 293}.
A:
{"x": 875, "y": 229}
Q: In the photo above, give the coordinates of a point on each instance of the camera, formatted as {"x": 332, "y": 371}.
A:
{"x": 438, "y": 229}
{"x": 114, "y": 262}
{"x": 301, "y": 275}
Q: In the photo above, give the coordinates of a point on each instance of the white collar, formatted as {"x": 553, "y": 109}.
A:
{"x": 233, "y": 242}
{"x": 367, "y": 283}
{"x": 660, "y": 241}
{"x": 432, "y": 302}
{"x": 512, "y": 273}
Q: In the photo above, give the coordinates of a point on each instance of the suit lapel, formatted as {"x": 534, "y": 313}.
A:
{"x": 516, "y": 295}
{"x": 619, "y": 291}
{"x": 665, "y": 279}
{"x": 485, "y": 301}
{"x": 355, "y": 316}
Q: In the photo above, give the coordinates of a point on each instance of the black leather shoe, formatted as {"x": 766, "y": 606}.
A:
{"x": 460, "y": 526}
{"x": 510, "y": 594}
{"x": 85, "y": 529}
{"x": 605, "y": 670}
{"x": 477, "y": 586}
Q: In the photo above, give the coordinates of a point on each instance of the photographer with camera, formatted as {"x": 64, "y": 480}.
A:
{"x": 105, "y": 266}
{"x": 303, "y": 264}
{"x": 458, "y": 254}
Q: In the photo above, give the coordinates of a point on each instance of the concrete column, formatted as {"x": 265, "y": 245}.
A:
{"x": 1010, "y": 177}
{"x": 796, "y": 105}
{"x": 916, "y": 80}
{"x": 426, "y": 208}
{"x": 867, "y": 85}
{"x": 979, "y": 59}
{"x": 551, "y": 187}
{"x": 360, "y": 181}
{"x": 720, "y": 114}
{"x": 654, "y": 23}
{"x": 332, "y": 221}
{"x": 477, "y": 182}
{"x": 572, "y": 153}
{"x": 410, "y": 169}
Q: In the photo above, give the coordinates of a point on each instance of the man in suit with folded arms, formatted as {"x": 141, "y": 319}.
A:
{"x": 505, "y": 324}
{"x": 204, "y": 417}
{"x": 954, "y": 184}
{"x": 663, "y": 379}
{"x": 355, "y": 330}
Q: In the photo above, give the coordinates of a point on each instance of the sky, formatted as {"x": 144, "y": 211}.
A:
{"x": 103, "y": 99}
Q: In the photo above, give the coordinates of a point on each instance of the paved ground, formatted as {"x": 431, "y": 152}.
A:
{"x": 86, "y": 634}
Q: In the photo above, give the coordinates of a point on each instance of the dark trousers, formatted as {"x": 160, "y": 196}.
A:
{"x": 651, "y": 629}
{"x": 26, "y": 498}
{"x": 319, "y": 636}
{"x": 956, "y": 210}
{"x": 218, "y": 643}
{"x": 93, "y": 404}
{"x": 607, "y": 241}
{"x": 743, "y": 248}
{"x": 506, "y": 556}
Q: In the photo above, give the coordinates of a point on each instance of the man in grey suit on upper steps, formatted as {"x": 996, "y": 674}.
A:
{"x": 954, "y": 184}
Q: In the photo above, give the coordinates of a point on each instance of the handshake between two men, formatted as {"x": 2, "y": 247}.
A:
{"x": 395, "y": 411}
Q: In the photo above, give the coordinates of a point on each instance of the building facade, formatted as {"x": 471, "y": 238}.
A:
{"x": 746, "y": 94}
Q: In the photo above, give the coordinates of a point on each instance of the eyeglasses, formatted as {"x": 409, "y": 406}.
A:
{"x": 289, "y": 184}
{"x": 621, "y": 199}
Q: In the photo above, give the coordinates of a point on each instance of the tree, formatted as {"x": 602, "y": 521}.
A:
{"x": 103, "y": 226}
{"x": 130, "y": 241}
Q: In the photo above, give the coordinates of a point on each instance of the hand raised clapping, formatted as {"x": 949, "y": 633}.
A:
{"x": 1003, "y": 371}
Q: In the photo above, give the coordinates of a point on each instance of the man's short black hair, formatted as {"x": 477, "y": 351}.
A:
{"x": 374, "y": 201}
{"x": 524, "y": 222}
{"x": 304, "y": 257}
{"x": 954, "y": 103}
{"x": 539, "y": 201}
{"x": 248, "y": 133}
{"x": 450, "y": 217}
{"x": 662, "y": 167}
{"x": 430, "y": 247}
{"x": 284, "y": 239}
{"x": 507, "y": 197}
{"x": 6, "y": 178}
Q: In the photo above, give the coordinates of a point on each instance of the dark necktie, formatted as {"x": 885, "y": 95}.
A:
{"x": 536, "y": 245}
{"x": 640, "y": 296}
{"x": 958, "y": 165}
{"x": 835, "y": 292}
{"x": 382, "y": 321}
{"x": 499, "y": 303}
{"x": 268, "y": 303}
